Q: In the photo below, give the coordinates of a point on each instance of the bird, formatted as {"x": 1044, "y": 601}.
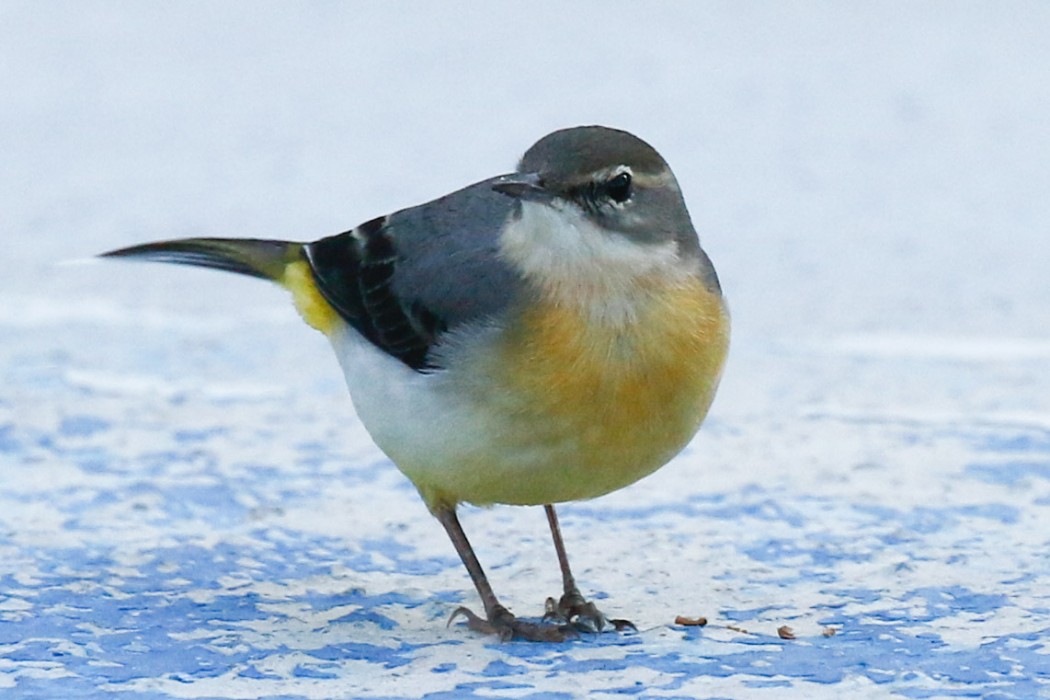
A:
{"x": 548, "y": 335}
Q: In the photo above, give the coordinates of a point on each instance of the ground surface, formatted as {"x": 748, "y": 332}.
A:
{"x": 190, "y": 508}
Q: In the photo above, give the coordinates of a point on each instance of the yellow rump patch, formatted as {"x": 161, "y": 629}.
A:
{"x": 309, "y": 302}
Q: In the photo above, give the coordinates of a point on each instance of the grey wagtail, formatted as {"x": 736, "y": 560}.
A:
{"x": 545, "y": 336}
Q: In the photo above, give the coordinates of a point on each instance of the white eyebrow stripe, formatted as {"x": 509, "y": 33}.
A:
{"x": 660, "y": 179}
{"x": 610, "y": 173}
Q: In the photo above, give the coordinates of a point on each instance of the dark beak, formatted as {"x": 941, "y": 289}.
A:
{"x": 522, "y": 186}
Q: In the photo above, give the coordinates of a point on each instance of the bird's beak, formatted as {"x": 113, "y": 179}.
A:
{"x": 522, "y": 186}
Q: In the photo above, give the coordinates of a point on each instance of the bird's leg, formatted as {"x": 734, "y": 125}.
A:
{"x": 498, "y": 620}
{"x": 573, "y": 608}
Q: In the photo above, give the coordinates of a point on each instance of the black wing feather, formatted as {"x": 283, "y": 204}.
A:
{"x": 355, "y": 271}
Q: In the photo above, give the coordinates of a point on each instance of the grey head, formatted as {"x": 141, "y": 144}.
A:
{"x": 617, "y": 179}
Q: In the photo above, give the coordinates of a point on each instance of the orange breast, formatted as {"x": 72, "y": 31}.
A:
{"x": 622, "y": 398}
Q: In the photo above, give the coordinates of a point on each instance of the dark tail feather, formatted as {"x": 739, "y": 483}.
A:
{"x": 246, "y": 256}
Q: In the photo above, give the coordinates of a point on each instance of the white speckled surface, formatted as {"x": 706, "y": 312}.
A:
{"x": 190, "y": 509}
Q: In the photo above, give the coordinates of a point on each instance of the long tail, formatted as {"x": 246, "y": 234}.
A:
{"x": 282, "y": 262}
{"x": 247, "y": 256}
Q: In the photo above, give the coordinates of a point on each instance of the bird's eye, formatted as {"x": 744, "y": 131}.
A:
{"x": 618, "y": 188}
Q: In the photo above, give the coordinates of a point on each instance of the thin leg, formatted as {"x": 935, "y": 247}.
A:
{"x": 498, "y": 620}
{"x": 573, "y": 607}
{"x": 559, "y": 547}
{"x": 470, "y": 560}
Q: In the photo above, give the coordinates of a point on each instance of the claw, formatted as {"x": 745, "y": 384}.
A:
{"x": 585, "y": 616}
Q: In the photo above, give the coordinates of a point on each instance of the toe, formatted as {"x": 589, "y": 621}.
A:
{"x": 573, "y": 609}
{"x": 507, "y": 627}
{"x": 478, "y": 624}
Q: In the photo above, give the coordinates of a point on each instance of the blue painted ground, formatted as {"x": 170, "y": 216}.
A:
{"x": 238, "y": 541}
{"x": 190, "y": 509}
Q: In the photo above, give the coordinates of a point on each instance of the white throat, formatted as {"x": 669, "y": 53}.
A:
{"x": 574, "y": 262}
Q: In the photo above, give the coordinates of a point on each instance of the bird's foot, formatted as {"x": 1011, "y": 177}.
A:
{"x": 575, "y": 611}
{"x": 507, "y": 627}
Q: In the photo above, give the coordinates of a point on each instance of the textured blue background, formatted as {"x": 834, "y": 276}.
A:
{"x": 190, "y": 509}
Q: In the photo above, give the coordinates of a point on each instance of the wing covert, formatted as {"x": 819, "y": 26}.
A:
{"x": 405, "y": 279}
